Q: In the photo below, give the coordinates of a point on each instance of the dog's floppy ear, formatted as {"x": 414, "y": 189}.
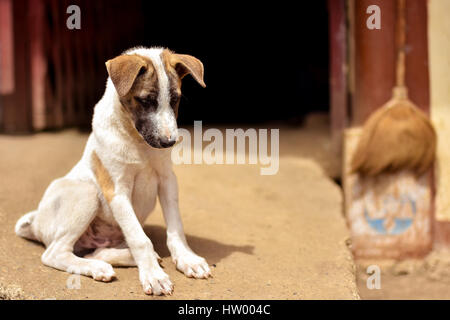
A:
{"x": 185, "y": 64}
{"x": 123, "y": 71}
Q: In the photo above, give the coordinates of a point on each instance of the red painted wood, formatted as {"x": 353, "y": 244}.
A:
{"x": 16, "y": 107}
{"x": 338, "y": 67}
{"x": 6, "y": 48}
{"x": 56, "y": 111}
{"x": 417, "y": 71}
{"x": 374, "y": 59}
{"x": 68, "y": 75}
{"x": 38, "y": 63}
{"x": 58, "y": 74}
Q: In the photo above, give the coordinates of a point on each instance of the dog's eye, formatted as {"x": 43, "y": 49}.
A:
{"x": 174, "y": 98}
{"x": 142, "y": 71}
{"x": 147, "y": 102}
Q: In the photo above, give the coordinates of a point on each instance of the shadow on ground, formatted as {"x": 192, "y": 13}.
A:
{"x": 213, "y": 251}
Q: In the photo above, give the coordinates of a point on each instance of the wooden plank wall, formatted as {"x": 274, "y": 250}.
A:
{"x": 362, "y": 61}
{"x": 338, "y": 71}
{"x": 56, "y": 75}
{"x": 417, "y": 63}
{"x": 6, "y": 48}
{"x": 375, "y": 57}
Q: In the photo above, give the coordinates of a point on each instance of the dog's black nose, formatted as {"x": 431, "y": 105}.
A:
{"x": 166, "y": 142}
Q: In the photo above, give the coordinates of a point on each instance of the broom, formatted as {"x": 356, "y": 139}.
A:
{"x": 398, "y": 135}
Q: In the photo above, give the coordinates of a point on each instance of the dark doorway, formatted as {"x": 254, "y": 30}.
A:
{"x": 262, "y": 62}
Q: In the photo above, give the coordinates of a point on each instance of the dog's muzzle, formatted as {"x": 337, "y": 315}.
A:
{"x": 165, "y": 142}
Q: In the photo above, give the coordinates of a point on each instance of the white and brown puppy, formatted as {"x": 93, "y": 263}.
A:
{"x": 102, "y": 203}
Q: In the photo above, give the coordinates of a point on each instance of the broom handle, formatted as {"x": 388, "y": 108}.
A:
{"x": 401, "y": 42}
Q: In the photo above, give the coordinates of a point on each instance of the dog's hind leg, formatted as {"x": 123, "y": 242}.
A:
{"x": 60, "y": 257}
{"x": 23, "y": 226}
{"x": 70, "y": 207}
{"x": 118, "y": 257}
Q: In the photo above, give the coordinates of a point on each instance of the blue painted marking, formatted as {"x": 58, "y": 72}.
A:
{"x": 376, "y": 224}
{"x": 400, "y": 224}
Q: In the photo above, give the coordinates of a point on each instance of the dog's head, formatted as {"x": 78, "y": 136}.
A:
{"x": 148, "y": 83}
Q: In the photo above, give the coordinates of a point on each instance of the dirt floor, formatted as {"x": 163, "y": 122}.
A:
{"x": 426, "y": 279}
{"x": 266, "y": 237}
{"x": 405, "y": 287}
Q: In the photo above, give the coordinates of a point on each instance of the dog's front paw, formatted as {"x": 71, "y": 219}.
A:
{"x": 103, "y": 272}
{"x": 98, "y": 270}
{"x": 192, "y": 265}
{"x": 156, "y": 282}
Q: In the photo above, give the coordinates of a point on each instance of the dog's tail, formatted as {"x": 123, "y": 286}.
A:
{"x": 23, "y": 226}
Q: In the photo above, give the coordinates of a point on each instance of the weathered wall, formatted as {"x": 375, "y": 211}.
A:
{"x": 439, "y": 47}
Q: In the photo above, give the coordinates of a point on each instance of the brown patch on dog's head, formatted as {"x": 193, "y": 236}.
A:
{"x": 124, "y": 70}
{"x": 136, "y": 83}
{"x": 149, "y": 98}
{"x": 174, "y": 80}
{"x": 135, "y": 80}
{"x": 184, "y": 64}
{"x": 177, "y": 67}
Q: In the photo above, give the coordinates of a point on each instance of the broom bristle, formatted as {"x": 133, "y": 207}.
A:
{"x": 397, "y": 136}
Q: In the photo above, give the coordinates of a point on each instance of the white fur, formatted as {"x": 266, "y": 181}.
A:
{"x": 140, "y": 174}
{"x": 165, "y": 118}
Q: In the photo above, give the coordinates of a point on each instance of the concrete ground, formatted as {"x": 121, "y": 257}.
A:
{"x": 266, "y": 237}
{"x": 404, "y": 287}
{"x": 424, "y": 279}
